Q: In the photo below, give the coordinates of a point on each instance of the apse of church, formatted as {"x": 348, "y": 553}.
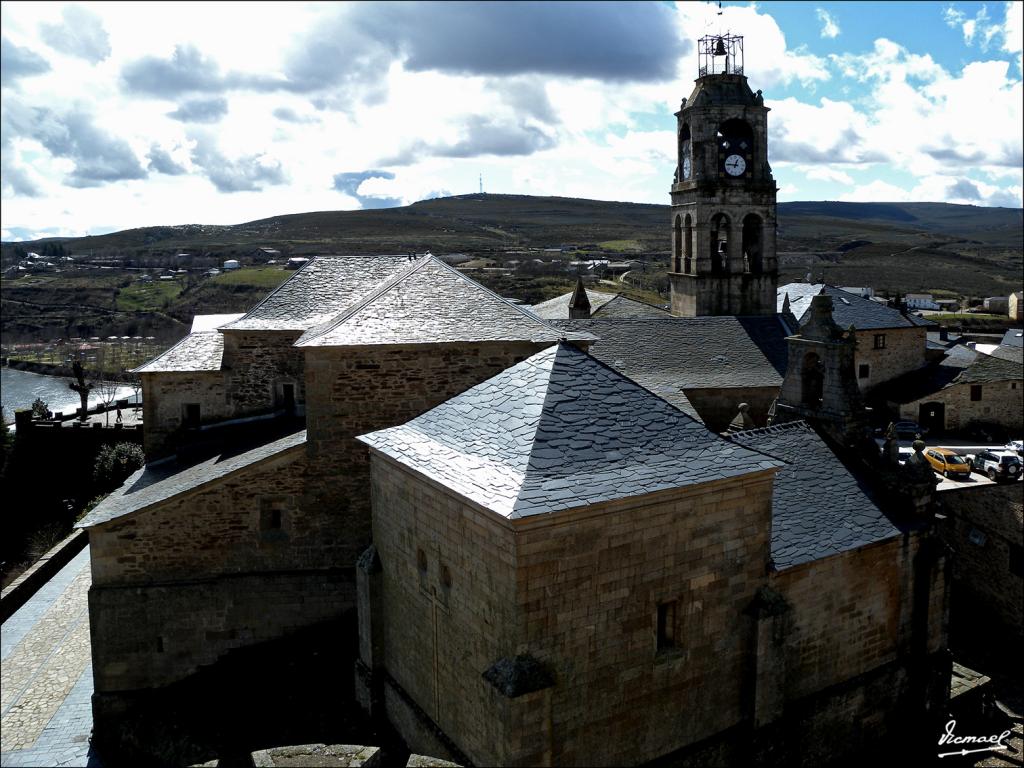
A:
{"x": 723, "y": 193}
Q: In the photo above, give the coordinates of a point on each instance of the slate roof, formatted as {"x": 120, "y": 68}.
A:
{"x": 603, "y": 305}
{"x": 819, "y": 508}
{"x": 1004, "y": 364}
{"x": 557, "y": 431}
{"x": 1014, "y": 337}
{"x": 848, "y": 308}
{"x": 200, "y": 351}
{"x": 429, "y": 302}
{"x": 162, "y": 480}
{"x": 676, "y": 353}
{"x": 318, "y": 291}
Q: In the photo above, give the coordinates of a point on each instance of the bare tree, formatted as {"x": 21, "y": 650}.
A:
{"x": 107, "y": 390}
{"x": 82, "y": 388}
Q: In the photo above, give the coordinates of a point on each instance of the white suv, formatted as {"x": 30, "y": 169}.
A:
{"x": 998, "y": 466}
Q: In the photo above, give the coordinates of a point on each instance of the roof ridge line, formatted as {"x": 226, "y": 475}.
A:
{"x": 527, "y": 314}
{"x": 267, "y": 298}
{"x": 376, "y": 293}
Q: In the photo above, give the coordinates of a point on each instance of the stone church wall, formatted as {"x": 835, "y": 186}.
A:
{"x": 176, "y": 587}
{"x": 351, "y": 391}
{"x": 904, "y": 352}
{"x": 984, "y": 526}
{"x": 256, "y": 364}
{"x": 579, "y": 592}
{"x": 164, "y": 396}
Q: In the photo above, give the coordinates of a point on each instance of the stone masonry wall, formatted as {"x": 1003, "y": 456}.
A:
{"x": 164, "y": 396}
{"x": 220, "y": 530}
{"x": 904, "y": 352}
{"x": 982, "y": 525}
{"x": 256, "y": 364}
{"x": 206, "y": 573}
{"x": 588, "y": 586}
{"x": 850, "y": 613}
{"x": 151, "y": 636}
{"x": 1002, "y": 403}
{"x": 584, "y": 601}
{"x": 438, "y": 639}
{"x": 354, "y": 391}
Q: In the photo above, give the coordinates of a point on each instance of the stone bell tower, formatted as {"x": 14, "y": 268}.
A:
{"x": 723, "y": 193}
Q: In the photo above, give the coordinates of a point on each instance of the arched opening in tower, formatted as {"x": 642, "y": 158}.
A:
{"x": 719, "y": 243}
{"x": 753, "y": 244}
{"x": 677, "y": 245}
{"x": 812, "y": 380}
{"x": 688, "y": 245}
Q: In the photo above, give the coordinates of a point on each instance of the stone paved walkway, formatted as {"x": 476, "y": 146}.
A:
{"x": 46, "y": 677}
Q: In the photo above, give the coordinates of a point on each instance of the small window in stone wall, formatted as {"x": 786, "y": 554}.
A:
{"x": 159, "y": 645}
{"x": 864, "y": 371}
{"x": 272, "y": 520}
{"x": 1017, "y": 560}
{"x": 421, "y": 567}
{"x": 666, "y": 626}
{"x": 446, "y": 583}
{"x": 191, "y": 416}
{"x": 975, "y": 393}
{"x": 879, "y": 341}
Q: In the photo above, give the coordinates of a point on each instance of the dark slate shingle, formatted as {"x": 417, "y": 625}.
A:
{"x": 819, "y": 508}
{"x": 847, "y": 308}
{"x": 602, "y": 305}
{"x": 676, "y": 353}
{"x": 323, "y": 287}
{"x": 557, "y": 431}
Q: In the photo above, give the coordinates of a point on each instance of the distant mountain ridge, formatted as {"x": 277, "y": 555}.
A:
{"x": 491, "y": 221}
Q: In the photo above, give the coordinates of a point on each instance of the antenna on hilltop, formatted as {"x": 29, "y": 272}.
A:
{"x": 481, "y": 183}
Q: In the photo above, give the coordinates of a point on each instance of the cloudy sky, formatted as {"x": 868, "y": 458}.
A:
{"x": 133, "y": 114}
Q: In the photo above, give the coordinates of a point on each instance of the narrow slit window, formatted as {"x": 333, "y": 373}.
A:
{"x": 666, "y": 626}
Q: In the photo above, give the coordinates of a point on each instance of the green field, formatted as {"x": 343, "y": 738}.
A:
{"x": 257, "y": 277}
{"x": 143, "y": 297}
{"x": 622, "y": 246}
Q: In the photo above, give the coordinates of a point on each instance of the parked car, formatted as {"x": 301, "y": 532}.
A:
{"x": 997, "y": 466}
{"x": 948, "y": 463}
{"x": 1017, "y": 446}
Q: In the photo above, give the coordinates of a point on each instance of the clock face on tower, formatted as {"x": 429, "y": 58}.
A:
{"x": 686, "y": 167}
{"x": 735, "y": 165}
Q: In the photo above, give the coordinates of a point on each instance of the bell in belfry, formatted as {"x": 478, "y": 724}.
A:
{"x": 720, "y": 47}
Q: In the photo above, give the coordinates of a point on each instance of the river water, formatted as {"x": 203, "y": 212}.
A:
{"x": 19, "y": 389}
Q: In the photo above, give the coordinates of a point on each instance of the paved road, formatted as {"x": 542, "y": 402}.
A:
{"x": 46, "y": 675}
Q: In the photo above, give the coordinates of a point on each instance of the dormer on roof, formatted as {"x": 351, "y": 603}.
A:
{"x": 579, "y": 304}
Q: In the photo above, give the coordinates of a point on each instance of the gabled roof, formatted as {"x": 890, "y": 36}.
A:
{"x": 961, "y": 365}
{"x": 161, "y": 481}
{"x": 1014, "y": 337}
{"x": 819, "y": 508}
{"x": 323, "y": 287}
{"x": 1003, "y": 364}
{"x": 672, "y": 354}
{"x": 848, "y": 308}
{"x": 603, "y": 305}
{"x": 200, "y": 351}
{"x": 212, "y": 322}
{"x": 429, "y": 302}
{"x": 557, "y": 431}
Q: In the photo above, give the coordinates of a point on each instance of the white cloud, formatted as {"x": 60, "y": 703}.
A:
{"x": 978, "y": 29}
{"x": 829, "y": 27}
{"x": 825, "y": 173}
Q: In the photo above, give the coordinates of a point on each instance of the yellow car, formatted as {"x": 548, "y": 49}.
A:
{"x": 948, "y": 463}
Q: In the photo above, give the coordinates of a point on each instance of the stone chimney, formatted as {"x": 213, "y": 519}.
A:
{"x": 579, "y": 304}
